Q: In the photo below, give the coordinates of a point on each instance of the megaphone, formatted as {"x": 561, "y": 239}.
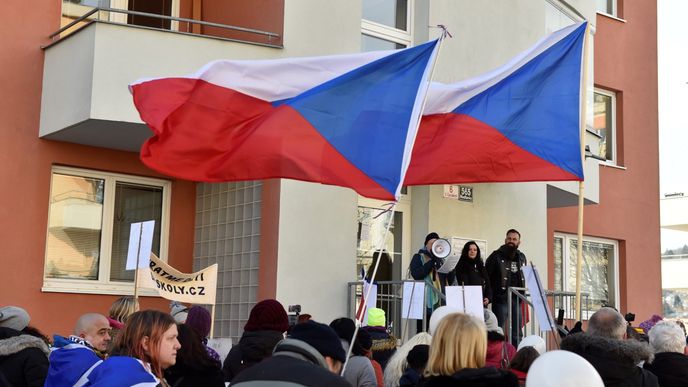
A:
{"x": 441, "y": 248}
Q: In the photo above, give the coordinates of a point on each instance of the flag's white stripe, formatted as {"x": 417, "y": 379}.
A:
{"x": 277, "y": 79}
{"x": 415, "y": 117}
{"x": 443, "y": 98}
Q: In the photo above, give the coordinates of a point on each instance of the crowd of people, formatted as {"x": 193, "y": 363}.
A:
{"x": 151, "y": 348}
{"x": 129, "y": 347}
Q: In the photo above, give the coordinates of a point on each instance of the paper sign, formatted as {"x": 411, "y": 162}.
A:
{"x": 449, "y": 263}
{"x": 412, "y": 300}
{"x": 196, "y": 288}
{"x": 371, "y": 302}
{"x": 468, "y": 299}
{"x": 537, "y": 295}
{"x": 140, "y": 244}
{"x": 221, "y": 346}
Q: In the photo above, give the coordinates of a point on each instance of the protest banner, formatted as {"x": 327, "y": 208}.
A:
{"x": 196, "y": 288}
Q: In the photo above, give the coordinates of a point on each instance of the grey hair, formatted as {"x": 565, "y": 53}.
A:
{"x": 607, "y": 322}
{"x": 667, "y": 336}
{"x": 397, "y": 364}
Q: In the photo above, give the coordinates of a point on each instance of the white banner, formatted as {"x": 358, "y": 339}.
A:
{"x": 537, "y": 294}
{"x": 413, "y": 300}
{"x": 468, "y": 299}
{"x": 196, "y": 288}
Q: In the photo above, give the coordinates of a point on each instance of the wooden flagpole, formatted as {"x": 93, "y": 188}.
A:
{"x": 581, "y": 184}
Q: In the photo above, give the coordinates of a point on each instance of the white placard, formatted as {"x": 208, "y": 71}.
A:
{"x": 412, "y": 300}
{"x": 537, "y": 295}
{"x": 221, "y": 345}
{"x": 449, "y": 263}
{"x": 140, "y": 244}
{"x": 468, "y": 299}
{"x": 371, "y": 302}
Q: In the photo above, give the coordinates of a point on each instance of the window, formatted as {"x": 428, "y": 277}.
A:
{"x": 89, "y": 218}
{"x": 386, "y": 24}
{"x": 606, "y": 6}
{"x": 604, "y": 123}
{"x": 599, "y": 270}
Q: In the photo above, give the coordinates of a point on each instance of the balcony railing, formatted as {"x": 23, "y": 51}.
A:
{"x": 102, "y": 14}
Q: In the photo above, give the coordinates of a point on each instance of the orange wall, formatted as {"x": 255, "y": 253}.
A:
{"x": 25, "y": 165}
{"x": 626, "y": 61}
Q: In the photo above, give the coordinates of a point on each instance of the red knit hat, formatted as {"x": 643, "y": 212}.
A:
{"x": 267, "y": 315}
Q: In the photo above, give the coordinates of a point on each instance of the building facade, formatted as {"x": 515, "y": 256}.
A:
{"x": 74, "y": 182}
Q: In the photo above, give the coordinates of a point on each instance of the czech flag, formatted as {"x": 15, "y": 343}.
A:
{"x": 346, "y": 120}
{"x": 520, "y": 122}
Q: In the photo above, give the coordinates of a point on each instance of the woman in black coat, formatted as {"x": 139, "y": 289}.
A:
{"x": 471, "y": 270}
{"x": 194, "y": 367}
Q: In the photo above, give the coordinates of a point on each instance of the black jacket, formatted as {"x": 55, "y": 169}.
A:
{"x": 475, "y": 377}
{"x": 181, "y": 375}
{"x": 252, "y": 348}
{"x": 23, "y": 359}
{"x": 384, "y": 344}
{"x": 295, "y": 362}
{"x": 498, "y": 267}
{"x": 615, "y": 360}
{"x": 471, "y": 272}
{"x": 671, "y": 369}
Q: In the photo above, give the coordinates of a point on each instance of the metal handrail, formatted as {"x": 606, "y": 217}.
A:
{"x": 164, "y": 17}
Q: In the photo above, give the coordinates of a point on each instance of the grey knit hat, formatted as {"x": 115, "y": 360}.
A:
{"x": 13, "y": 317}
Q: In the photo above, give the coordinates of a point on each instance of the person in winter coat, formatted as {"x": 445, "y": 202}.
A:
{"x": 499, "y": 350}
{"x": 75, "y": 356}
{"x": 359, "y": 369}
{"x": 265, "y": 327}
{"x": 199, "y": 320}
{"x": 193, "y": 367}
{"x": 312, "y": 355}
{"x": 457, "y": 356}
{"x": 23, "y": 357}
{"x": 398, "y": 363}
{"x": 670, "y": 365}
{"x": 146, "y": 347}
{"x": 384, "y": 344}
{"x": 470, "y": 270}
{"x": 614, "y": 358}
{"x": 417, "y": 360}
{"x": 521, "y": 363}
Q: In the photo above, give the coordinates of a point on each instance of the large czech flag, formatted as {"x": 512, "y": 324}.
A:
{"x": 519, "y": 122}
{"x": 346, "y": 120}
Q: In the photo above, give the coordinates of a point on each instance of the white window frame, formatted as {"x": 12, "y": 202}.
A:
{"x": 565, "y": 262}
{"x": 385, "y": 32}
{"x": 614, "y": 160}
{"x": 103, "y": 285}
{"x": 615, "y": 10}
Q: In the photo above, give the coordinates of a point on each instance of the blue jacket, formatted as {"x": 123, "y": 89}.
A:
{"x": 70, "y": 360}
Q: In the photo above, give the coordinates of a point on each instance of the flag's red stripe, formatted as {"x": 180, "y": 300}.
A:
{"x": 205, "y": 132}
{"x": 455, "y": 148}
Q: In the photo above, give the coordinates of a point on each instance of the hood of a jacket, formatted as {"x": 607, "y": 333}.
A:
{"x": 669, "y": 366}
{"x": 258, "y": 345}
{"x": 301, "y": 350}
{"x": 12, "y": 342}
{"x": 615, "y": 360}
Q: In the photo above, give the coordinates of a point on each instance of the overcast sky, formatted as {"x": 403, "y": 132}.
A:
{"x": 673, "y": 106}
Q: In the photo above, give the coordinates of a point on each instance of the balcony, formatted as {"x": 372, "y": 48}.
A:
{"x": 85, "y": 98}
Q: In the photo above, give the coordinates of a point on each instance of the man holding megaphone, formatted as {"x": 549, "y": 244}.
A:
{"x": 424, "y": 266}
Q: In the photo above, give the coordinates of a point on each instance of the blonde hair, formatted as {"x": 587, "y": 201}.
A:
{"x": 123, "y": 307}
{"x": 397, "y": 364}
{"x": 460, "y": 342}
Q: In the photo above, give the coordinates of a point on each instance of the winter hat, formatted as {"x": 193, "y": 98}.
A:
{"x": 363, "y": 343}
{"x": 178, "y": 311}
{"x": 199, "y": 320}
{"x": 432, "y": 235}
{"x": 417, "y": 357}
{"x": 344, "y": 327}
{"x": 648, "y": 324}
{"x": 321, "y": 337}
{"x": 13, "y": 317}
{"x": 438, "y": 315}
{"x": 534, "y": 341}
{"x": 491, "y": 322}
{"x": 267, "y": 315}
{"x": 376, "y": 317}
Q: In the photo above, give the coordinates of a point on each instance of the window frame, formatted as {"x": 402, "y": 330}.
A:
{"x": 612, "y": 94}
{"x": 103, "y": 285}
{"x": 615, "y": 9}
{"x": 565, "y": 263}
{"x": 385, "y": 32}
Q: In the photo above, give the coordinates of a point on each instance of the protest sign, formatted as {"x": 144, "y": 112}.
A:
{"x": 196, "y": 288}
{"x": 539, "y": 300}
{"x": 468, "y": 299}
{"x": 140, "y": 244}
{"x": 413, "y": 298}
